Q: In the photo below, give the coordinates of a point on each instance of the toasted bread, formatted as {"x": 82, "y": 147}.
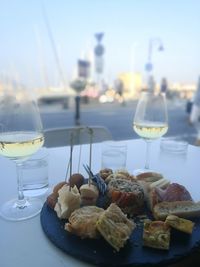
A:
{"x": 115, "y": 227}
{"x": 82, "y": 222}
{"x": 180, "y": 224}
{"x": 156, "y": 234}
{"x": 184, "y": 209}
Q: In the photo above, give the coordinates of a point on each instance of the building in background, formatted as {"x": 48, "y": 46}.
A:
{"x": 132, "y": 83}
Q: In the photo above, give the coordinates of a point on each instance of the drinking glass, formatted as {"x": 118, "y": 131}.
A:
{"x": 150, "y": 121}
{"x": 21, "y": 135}
{"x": 114, "y": 154}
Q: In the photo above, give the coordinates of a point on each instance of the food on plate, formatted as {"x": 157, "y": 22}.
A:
{"x": 162, "y": 190}
{"x": 104, "y": 173}
{"x": 120, "y": 174}
{"x": 180, "y": 224}
{"x": 151, "y": 198}
{"x": 170, "y": 203}
{"x": 68, "y": 200}
{"x": 58, "y": 187}
{"x": 149, "y": 177}
{"x": 184, "y": 209}
{"x": 148, "y": 181}
{"x": 100, "y": 183}
{"x": 76, "y": 179}
{"x": 151, "y": 195}
{"x": 82, "y": 222}
{"x": 89, "y": 194}
{"x": 53, "y": 197}
{"x": 173, "y": 192}
{"x": 162, "y": 183}
{"x": 124, "y": 174}
{"x": 156, "y": 234}
{"x": 128, "y": 195}
{"x": 52, "y": 200}
{"x": 115, "y": 227}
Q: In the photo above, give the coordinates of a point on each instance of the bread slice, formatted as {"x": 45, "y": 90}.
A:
{"x": 82, "y": 222}
{"x": 156, "y": 234}
{"x": 180, "y": 224}
{"x": 184, "y": 209}
{"x": 89, "y": 194}
{"x": 115, "y": 227}
{"x": 68, "y": 200}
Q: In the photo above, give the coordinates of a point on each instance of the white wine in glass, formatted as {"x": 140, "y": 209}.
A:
{"x": 21, "y": 135}
{"x": 150, "y": 121}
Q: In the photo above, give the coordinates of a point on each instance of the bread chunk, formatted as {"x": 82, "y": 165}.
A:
{"x": 82, "y": 222}
{"x": 115, "y": 227}
{"x": 184, "y": 209}
{"x": 89, "y": 194}
{"x": 156, "y": 234}
{"x": 68, "y": 201}
{"x": 180, "y": 224}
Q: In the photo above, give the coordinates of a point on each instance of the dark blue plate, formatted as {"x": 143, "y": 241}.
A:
{"x": 100, "y": 253}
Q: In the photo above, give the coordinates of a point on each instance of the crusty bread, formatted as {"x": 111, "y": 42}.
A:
{"x": 82, "y": 222}
{"x": 68, "y": 200}
{"x": 156, "y": 234}
{"x": 115, "y": 227}
{"x": 180, "y": 224}
{"x": 184, "y": 209}
{"x": 89, "y": 194}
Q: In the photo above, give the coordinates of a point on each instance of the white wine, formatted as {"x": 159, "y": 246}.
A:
{"x": 150, "y": 130}
{"x": 18, "y": 145}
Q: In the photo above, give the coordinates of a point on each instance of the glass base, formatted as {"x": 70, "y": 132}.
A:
{"x": 13, "y": 212}
{"x": 139, "y": 171}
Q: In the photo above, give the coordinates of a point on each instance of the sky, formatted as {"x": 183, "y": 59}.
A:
{"x": 129, "y": 26}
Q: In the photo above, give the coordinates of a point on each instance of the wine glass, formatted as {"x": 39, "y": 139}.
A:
{"x": 150, "y": 120}
{"x": 21, "y": 135}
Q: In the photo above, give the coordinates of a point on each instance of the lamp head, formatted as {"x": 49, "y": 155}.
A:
{"x": 161, "y": 47}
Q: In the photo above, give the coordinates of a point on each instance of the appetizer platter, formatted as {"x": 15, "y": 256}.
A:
{"x": 116, "y": 219}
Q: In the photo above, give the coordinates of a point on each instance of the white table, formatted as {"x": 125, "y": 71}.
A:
{"x": 24, "y": 243}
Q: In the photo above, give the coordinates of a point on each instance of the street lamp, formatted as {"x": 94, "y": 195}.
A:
{"x": 153, "y": 42}
{"x": 99, "y": 51}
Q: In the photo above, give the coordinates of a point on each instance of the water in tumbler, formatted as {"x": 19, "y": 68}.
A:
{"x": 114, "y": 157}
{"x": 35, "y": 176}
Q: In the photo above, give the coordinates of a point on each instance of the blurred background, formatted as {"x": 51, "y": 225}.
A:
{"x": 87, "y": 61}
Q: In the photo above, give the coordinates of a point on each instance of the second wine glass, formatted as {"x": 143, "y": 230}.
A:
{"x": 150, "y": 120}
{"x": 21, "y": 135}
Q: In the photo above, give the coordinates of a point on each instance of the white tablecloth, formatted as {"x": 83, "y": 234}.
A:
{"x": 24, "y": 243}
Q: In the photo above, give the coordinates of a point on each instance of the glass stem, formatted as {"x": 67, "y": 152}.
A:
{"x": 21, "y": 201}
{"x": 148, "y": 145}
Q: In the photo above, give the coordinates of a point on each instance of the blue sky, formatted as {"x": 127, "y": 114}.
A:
{"x": 128, "y": 25}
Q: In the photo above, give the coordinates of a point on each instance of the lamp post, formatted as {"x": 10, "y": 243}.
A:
{"x": 78, "y": 85}
{"x": 157, "y": 43}
{"x": 153, "y": 42}
{"x": 99, "y": 51}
